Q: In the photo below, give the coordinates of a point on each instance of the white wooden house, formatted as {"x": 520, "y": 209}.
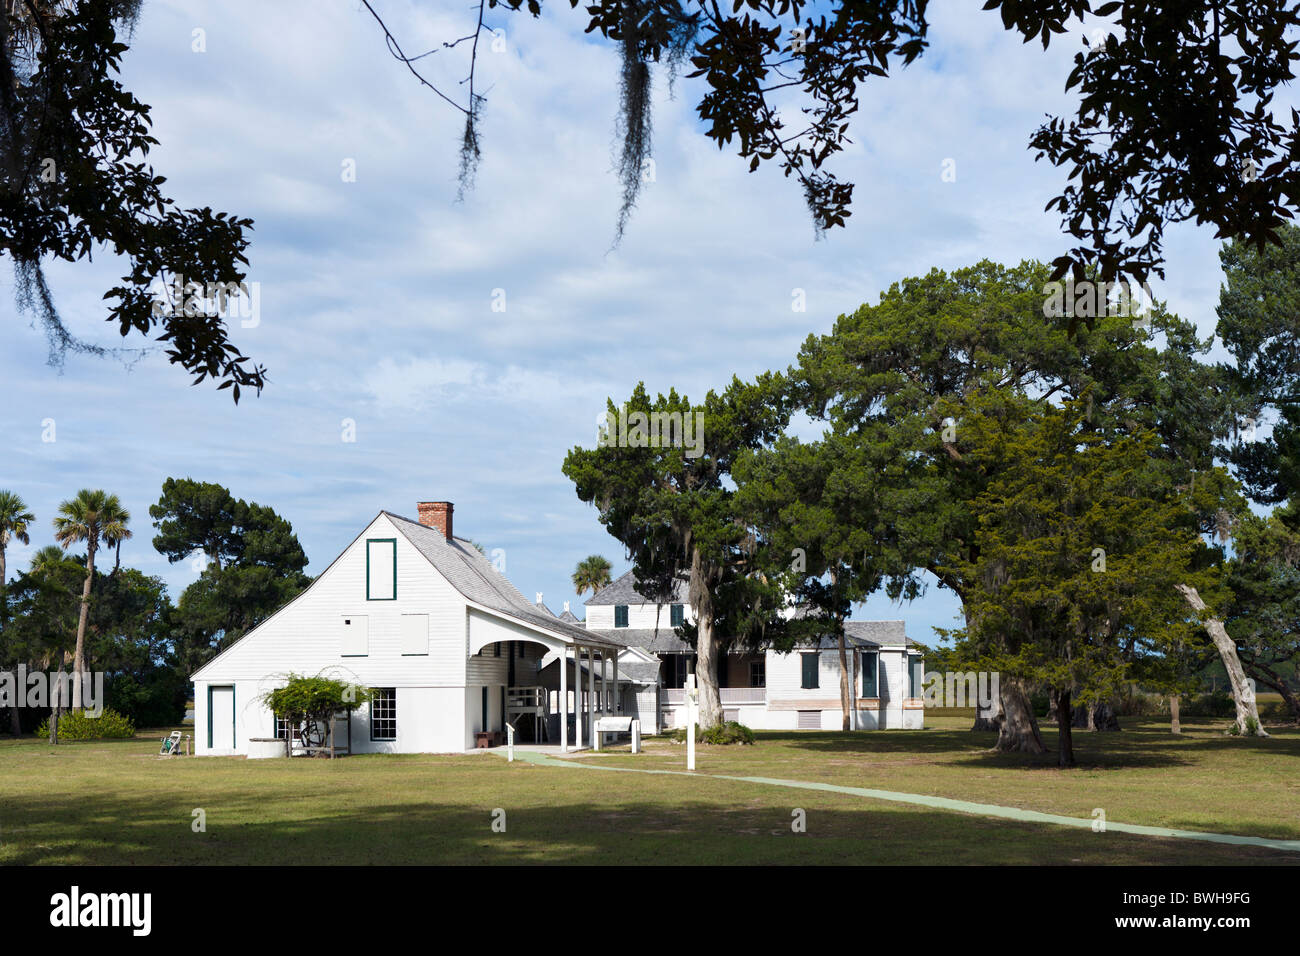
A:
{"x": 768, "y": 690}
{"x": 449, "y": 646}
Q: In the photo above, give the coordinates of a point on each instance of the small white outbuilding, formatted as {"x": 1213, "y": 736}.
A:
{"x": 449, "y": 647}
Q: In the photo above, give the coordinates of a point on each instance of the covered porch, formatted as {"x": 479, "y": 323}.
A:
{"x": 557, "y": 698}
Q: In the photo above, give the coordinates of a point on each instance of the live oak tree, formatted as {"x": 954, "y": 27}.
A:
{"x": 1174, "y": 120}
{"x": 1080, "y": 550}
{"x": 895, "y": 377}
{"x": 666, "y": 494}
{"x": 883, "y": 378}
{"x": 1259, "y": 324}
{"x": 814, "y": 509}
{"x": 75, "y": 181}
{"x": 1264, "y": 616}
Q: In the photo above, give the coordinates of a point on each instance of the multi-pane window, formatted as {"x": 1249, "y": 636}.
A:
{"x": 282, "y": 728}
{"x": 677, "y": 615}
{"x": 620, "y": 615}
{"x": 383, "y": 713}
{"x": 870, "y": 667}
{"x": 758, "y": 673}
{"x": 810, "y": 677}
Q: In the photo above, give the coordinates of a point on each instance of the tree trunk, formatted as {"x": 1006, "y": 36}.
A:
{"x": 79, "y": 658}
{"x": 993, "y": 722}
{"x": 1096, "y": 716}
{"x": 15, "y": 724}
{"x": 54, "y": 724}
{"x": 1247, "y": 722}
{"x": 1019, "y": 729}
{"x": 1175, "y": 727}
{"x": 1065, "y": 745}
{"x": 1263, "y": 674}
{"x": 707, "y": 645}
{"x": 846, "y": 702}
{"x": 1053, "y": 704}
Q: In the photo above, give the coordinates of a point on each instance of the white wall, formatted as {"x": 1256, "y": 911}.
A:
{"x": 305, "y": 637}
{"x": 639, "y": 616}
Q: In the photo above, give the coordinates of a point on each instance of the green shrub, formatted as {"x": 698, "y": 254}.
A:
{"x": 730, "y": 732}
{"x": 78, "y": 725}
{"x": 1217, "y": 704}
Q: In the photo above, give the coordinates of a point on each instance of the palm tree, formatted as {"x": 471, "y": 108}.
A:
{"x": 14, "y": 519}
{"x": 92, "y": 516}
{"x": 591, "y": 574}
{"x": 115, "y": 531}
{"x": 46, "y": 557}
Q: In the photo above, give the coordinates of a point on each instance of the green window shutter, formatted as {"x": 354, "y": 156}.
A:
{"x": 870, "y": 674}
{"x": 381, "y": 569}
{"x": 810, "y": 670}
{"x": 678, "y": 615}
{"x": 620, "y": 615}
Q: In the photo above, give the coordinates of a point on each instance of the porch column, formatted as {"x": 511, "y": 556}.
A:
{"x": 591, "y": 690}
{"x": 618, "y": 697}
{"x": 564, "y": 700}
{"x": 577, "y": 693}
{"x": 604, "y": 683}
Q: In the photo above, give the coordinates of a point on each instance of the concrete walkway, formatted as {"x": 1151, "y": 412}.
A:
{"x": 939, "y": 803}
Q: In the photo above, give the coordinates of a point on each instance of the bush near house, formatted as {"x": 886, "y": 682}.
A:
{"x": 730, "y": 732}
{"x": 78, "y": 725}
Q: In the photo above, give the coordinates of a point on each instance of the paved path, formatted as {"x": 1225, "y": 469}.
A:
{"x": 940, "y": 803}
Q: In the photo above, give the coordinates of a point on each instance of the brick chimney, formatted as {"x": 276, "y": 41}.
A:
{"x": 436, "y": 514}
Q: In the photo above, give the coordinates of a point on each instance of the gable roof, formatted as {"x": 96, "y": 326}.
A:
{"x": 624, "y": 591}
{"x": 569, "y": 617}
{"x": 470, "y": 572}
{"x": 661, "y": 641}
{"x": 879, "y": 633}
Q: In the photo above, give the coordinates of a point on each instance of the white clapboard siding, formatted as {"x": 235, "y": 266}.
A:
{"x": 308, "y": 635}
{"x": 639, "y": 616}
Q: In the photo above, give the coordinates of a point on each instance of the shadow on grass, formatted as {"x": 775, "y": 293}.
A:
{"x": 247, "y": 829}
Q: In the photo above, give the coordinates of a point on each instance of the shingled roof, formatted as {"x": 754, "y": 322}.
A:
{"x": 623, "y": 591}
{"x": 470, "y": 572}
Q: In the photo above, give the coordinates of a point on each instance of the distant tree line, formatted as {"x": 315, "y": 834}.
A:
{"x": 65, "y": 613}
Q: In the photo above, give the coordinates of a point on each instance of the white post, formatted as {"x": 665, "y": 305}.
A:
{"x": 577, "y": 693}
{"x": 636, "y": 736}
{"x": 618, "y": 697}
{"x": 690, "y": 721}
{"x": 564, "y": 700}
{"x": 591, "y": 691}
{"x": 604, "y": 684}
{"x": 510, "y": 742}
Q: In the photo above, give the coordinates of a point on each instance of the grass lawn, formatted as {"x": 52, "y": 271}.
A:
{"x": 116, "y": 802}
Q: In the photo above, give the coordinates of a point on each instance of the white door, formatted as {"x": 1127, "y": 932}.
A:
{"x": 221, "y": 717}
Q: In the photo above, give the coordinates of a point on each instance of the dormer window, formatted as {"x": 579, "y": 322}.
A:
{"x": 677, "y": 615}
{"x": 620, "y": 615}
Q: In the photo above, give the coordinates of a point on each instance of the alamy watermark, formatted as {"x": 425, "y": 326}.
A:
{"x": 1088, "y": 299}
{"x": 962, "y": 689}
{"x": 229, "y": 300}
{"x": 624, "y": 429}
{"x": 18, "y": 688}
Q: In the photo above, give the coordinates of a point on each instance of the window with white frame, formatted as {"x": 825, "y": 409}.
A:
{"x": 383, "y": 713}
{"x": 758, "y": 673}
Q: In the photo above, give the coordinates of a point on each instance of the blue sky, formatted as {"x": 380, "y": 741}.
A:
{"x": 376, "y": 295}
